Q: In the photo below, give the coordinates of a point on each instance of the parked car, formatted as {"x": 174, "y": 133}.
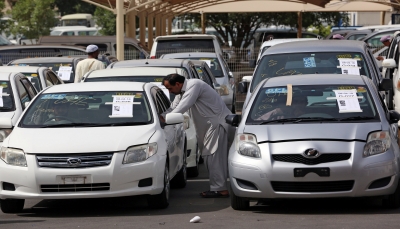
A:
{"x": 219, "y": 69}
{"x": 74, "y": 31}
{"x": 16, "y": 93}
{"x": 357, "y": 34}
{"x": 306, "y": 141}
{"x": 185, "y": 43}
{"x": 373, "y": 39}
{"x": 154, "y": 75}
{"x": 133, "y": 50}
{"x": 10, "y": 53}
{"x": 313, "y": 57}
{"x": 40, "y": 77}
{"x": 137, "y": 156}
{"x": 66, "y": 64}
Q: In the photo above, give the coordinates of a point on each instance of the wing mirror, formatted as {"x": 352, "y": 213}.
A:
{"x": 394, "y": 116}
{"x": 385, "y": 84}
{"x": 233, "y": 119}
{"x": 389, "y": 63}
{"x": 174, "y": 118}
{"x": 244, "y": 84}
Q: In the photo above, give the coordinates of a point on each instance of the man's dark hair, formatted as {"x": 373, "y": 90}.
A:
{"x": 173, "y": 78}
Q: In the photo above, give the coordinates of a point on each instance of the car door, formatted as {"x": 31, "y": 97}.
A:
{"x": 159, "y": 97}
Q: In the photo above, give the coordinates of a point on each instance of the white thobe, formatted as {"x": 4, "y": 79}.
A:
{"x": 86, "y": 65}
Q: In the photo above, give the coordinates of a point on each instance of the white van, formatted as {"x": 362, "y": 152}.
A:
{"x": 74, "y": 31}
{"x": 77, "y": 20}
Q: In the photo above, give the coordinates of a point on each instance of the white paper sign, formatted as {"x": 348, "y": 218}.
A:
{"x": 64, "y": 72}
{"x": 347, "y": 101}
{"x": 1, "y": 97}
{"x": 349, "y": 66}
{"x": 122, "y": 106}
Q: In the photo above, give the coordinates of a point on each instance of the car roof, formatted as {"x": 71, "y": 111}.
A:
{"x": 316, "y": 79}
{"x": 149, "y": 62}
{"x": 80, "y": 48}
{"x": 43, "y": 60}
{"x": 317, "y": 46}
{"x": 5, "y": 76}
{"x": 138, "y": 71}
{"x": 284, "y": 40}
{"x": 187, "y": 36}
{"x": 96, "y": 86}
{"x": 19, "y": 68}
{"x": 190, "y": 54}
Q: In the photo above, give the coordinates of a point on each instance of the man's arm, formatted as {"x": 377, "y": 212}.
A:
{"x": 188, "y": 99}
{"x": 78, "y": 73}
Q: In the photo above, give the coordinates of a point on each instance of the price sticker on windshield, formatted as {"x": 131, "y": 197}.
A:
{"x": 347, "y": 101}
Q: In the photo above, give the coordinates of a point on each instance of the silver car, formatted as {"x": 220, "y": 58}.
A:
{"x": 315, "y": 136}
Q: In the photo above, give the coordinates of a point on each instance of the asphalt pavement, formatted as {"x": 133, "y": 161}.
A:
{"x": 132, "y": 212}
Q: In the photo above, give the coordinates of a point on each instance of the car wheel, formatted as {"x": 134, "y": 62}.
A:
{"x": 238, "y": 203}
{"x": 161, "y": 200}
{"x": 180, "y": 179}
{"x": 12, "y": 205}
{"x": 393, "y": 200}
{"x": 194, "y": 171}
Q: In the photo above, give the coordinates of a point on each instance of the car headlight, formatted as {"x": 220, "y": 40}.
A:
{"x": 246, "y": 145}
{"x": 223, "y": 90}
{"x": 139, "y": 153}
{"x": 13, "y": 156}
{"x": 4, "y": 134}
{"x": 377, "y": 143}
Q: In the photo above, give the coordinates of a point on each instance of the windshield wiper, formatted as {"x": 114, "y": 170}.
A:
{"x": 280, "y": 120}
{"x": 357, "y": 118}
{"x": 297, "y": 120}
{"x": 127, "y": 123}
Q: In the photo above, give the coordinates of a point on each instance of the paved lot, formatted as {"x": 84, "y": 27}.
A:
{"x": 215, "y": 213}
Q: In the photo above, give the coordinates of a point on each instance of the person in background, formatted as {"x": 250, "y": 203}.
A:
{"x": 386, "y": 40}
{"x": 337, "y": 37}
{"x": 213, "y": 133}
{"x": 88, "y": 64}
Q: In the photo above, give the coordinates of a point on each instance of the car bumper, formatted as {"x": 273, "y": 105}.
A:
{"x": 265, "y": 178}
{"x": 123, "y": 179}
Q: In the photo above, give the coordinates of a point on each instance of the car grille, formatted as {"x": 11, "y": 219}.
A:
{"x": 75, "y": 187}
{"x": 327, "y": 186}
{"x": 324, "y": 158}
{"x": 74, "y": 160}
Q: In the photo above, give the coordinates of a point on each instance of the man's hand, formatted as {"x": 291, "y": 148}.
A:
{"x": 380, "y": 58}
{"x": 161, "y": 118}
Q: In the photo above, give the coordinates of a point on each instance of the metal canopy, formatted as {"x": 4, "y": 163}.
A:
{"x": 165, "y": 9}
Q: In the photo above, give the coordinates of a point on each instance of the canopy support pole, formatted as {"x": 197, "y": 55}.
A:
{"x": 383, "y": 15}
{"x": 120, "y": 29}
{"x": 299, "y": 24}
{"x": 150, "y": 26}
{"x": 170, "y": 18}
{"x": 131, "y": 25}
{"x": 142, "y": 33}
{"x": 203, "y": 26}
{"x": 163, "y": 26}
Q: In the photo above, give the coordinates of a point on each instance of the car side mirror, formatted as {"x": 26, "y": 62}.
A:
{"x": 389, "y": 63}
{"x": 252, "y": 63}
{"x": 385, "y": 84}
{"x": 394, "y": 116}
{"x": 243, "y": 87}
{"x": 233, "y": 119}
{"x": 174, "y": 118}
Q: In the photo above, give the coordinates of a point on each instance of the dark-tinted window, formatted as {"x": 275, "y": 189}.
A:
{"x": 7, "y": 97}
{"x": 184, "y": 45}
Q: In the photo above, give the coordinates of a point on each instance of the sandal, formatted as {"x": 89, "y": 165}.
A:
{"x": 213, "y": 194}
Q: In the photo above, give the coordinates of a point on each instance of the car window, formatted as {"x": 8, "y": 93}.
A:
{"x": 88, "y": 108}
{"x": 305, "y": 63}
{"x": 70, "y": 33}
{"x": 203, "y": 75}
{"x": 311, "y": 101}
{"x": 29, "y": 87}
{"x": 356, "y": 36}
{"x": 23, "y": 93}
{"x": 213, "y": 63}
{"x": 54, "y": 78}
{"x": 7, "y": 97}
{"x": 35, "y": 80}
{"x": 375, "y": 41}
{"x": 184, "y": 45}
{"x": 54, "y": 67}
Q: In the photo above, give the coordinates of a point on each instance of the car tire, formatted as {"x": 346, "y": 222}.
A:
{"x": 238, "y": 203}
{"x": 393, "y": 201}
{"x": 194, "y": 171}
{"x": 180, "y": 179}
{"x": 12, "y": 205}
{"x": 161, "y": 200}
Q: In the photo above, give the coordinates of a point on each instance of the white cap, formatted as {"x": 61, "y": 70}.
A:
{"x": 91, "y": 48}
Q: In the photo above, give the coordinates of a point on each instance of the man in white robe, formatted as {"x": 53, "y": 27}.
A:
{"x": 88, "y": 64}
{"x": 208, "y": 112}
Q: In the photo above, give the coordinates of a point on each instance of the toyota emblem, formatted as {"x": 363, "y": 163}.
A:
{"x": 74, "y": 161}
{"x": 311, "y": 153}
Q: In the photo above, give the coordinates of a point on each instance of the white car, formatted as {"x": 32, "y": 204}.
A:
{"x": 40, "y": 77}
{"x": 155, "y": 75}
{"x": 16, "y": 92}
{"x": 94, "y": 140}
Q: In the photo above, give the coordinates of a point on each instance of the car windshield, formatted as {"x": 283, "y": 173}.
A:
{"x": 100, "y": 108}
{"x": 6, "y": 101}
{"x": 307, "y": 63}
{"x": 68, "y": 67}
{"x": 35, "y": 79}
{"x": 213, "y": 63}
{"x": 55, "y": 33}
{"x": 309, "y": 103}
{"x": 184, "y": 45}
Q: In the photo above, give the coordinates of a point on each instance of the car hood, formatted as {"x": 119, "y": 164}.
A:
{"x": 79, "y": 140}
{"x": 332, "y": 131}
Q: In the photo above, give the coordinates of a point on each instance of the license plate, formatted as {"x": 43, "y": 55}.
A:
{"x": 301, "y": 172}
{"x": 73, "y": 179}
